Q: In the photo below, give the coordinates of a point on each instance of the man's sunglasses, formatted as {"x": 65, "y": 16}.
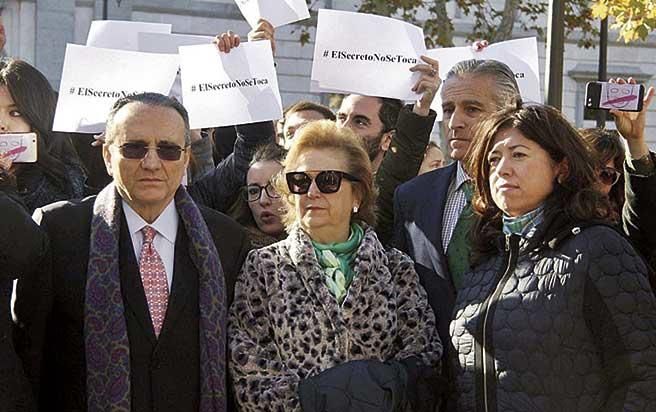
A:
{"x": 138, "y": 150}
{"x": 328, "y": 181}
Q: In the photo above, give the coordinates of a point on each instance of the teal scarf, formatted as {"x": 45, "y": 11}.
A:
{"x": 336, "y": 259}
{"x": 525, "y": 224}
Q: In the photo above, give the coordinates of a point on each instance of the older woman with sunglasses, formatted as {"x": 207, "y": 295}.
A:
{"x": 557, "y": 314}
{"x": 329, "y": 305}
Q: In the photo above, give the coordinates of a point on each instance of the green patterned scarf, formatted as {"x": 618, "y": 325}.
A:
{"x": 525, "y": 224}
{"x": 336, "y": 259}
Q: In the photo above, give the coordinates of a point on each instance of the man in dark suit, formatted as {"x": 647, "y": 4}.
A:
{"x": 128, "y": 311}
{"x": 429, "y": 222}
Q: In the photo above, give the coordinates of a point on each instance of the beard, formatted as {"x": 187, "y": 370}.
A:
{"x": 372, "y": 145}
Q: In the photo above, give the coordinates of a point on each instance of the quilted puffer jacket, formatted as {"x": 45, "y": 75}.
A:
{"x": 560, "y": 323}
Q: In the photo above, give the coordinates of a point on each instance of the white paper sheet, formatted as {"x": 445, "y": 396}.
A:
{"x": 366, "y": 54}
{"x": 221, "y": 89}
{"x": 169, "y": 43}
{"x": 93, "y": 79}
{"x": 521, "y": 55}
{"x": 121, "y": 35}
{"x": 277, "y": 12}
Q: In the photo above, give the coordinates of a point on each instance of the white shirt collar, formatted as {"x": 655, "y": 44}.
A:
{"x": 166, "y": 223}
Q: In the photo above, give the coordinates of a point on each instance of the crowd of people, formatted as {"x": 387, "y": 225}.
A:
{"x": 331, "y": 261}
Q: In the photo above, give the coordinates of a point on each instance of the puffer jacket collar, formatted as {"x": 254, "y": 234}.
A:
{"x": 556, "y": 228}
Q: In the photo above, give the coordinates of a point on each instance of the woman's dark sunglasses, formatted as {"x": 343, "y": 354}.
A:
{"x": 609, "y": 176}
{"x": 254, "y": 192}
{"x": 138, "y": 150}
{"x": 328, "y": 181}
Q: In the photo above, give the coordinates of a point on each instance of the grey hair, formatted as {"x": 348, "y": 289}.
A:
{"x": 151, "y": 99}
{"x": 507, "y": 92}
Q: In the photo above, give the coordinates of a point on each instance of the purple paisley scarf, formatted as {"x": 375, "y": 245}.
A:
{"x": 105, "y": 331}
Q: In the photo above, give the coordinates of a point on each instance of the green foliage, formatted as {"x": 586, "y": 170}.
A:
{"x": 634, "y": 19}
{"x": 491, "y": 22}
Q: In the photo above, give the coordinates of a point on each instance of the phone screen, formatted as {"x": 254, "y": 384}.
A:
{"x": 619, "y": 96}
{"x": 20, "y": 147}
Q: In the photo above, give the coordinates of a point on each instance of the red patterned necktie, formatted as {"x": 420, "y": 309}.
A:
{"x": 153, "y": 278}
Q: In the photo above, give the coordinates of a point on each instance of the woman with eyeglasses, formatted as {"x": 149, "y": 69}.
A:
{"x": 259, "y": 208}
{"x": 27, "y": 104}
{"x": 328, "y": 319}
{"x": 557, "y": 313}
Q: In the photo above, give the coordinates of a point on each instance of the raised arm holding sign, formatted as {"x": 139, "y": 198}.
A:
{"x": 222, "y": 89}
{"x": 278, "y": 12}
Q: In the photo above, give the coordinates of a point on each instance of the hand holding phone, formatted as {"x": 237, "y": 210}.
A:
{"x": 626, "y": 97}
{"x": 19, "y": 147}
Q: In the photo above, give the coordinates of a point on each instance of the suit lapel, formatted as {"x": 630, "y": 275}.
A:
{"x": 429, "y": 222}
{"x": 134, "y": 297}
{"x": 185, "y": 278}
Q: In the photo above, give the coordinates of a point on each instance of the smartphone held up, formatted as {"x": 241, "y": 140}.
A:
{"x": 20, "y": 147}
{"x": 625, "y": 97}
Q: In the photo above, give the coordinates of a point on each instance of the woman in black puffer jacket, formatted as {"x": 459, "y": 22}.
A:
{"x": 557, "y": 314}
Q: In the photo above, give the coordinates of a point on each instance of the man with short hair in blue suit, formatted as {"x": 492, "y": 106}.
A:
{"x": 432, "y": 215}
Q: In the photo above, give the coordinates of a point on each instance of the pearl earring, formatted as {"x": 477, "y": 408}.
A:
{"x": 355, "y": 209}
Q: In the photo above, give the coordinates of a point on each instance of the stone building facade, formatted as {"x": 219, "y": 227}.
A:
{"x": 38, "y": 30}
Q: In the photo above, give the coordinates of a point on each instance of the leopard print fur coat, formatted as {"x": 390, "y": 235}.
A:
{"x": 286, "y": 326}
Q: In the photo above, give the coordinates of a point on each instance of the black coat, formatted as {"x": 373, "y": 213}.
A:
{"x": 22, "y": 244}
{"x": 638, "y": 213}
{"x": 372, "y": 386}
{"x": 419, "y": 207}
{"x": 565, "y": 322}
{"x": 50, "y": 305}
{"x": 400, "y": 164}
{"x": 418, "y": 213}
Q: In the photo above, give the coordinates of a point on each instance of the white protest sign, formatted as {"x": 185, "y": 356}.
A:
{"x": 277, "y": 12}
{"x": 93, "y": 79}
{"x": 221, "y": 89}
{"x": 520, "y": 55}
{"x": 169, "y": 43}
{"x": 121, "y": 35}
{"x": 366, "y": 54}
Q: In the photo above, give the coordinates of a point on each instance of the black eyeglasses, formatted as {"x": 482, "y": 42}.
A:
{"x": 254, "y": 192}
{"x": 328, "y": 181}
{"x": 609, "y": 176}
{"x": 138, "y": 150}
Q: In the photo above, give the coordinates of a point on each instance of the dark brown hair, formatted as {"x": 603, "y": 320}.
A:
{"x": 305, "y": 105}
{"x": 607, "y": 145}
{"x": 573, "y": 195}
{"x": 36, "y": 101}
{"x": 325, "y": 135}
{"x": 240, "y": 211}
